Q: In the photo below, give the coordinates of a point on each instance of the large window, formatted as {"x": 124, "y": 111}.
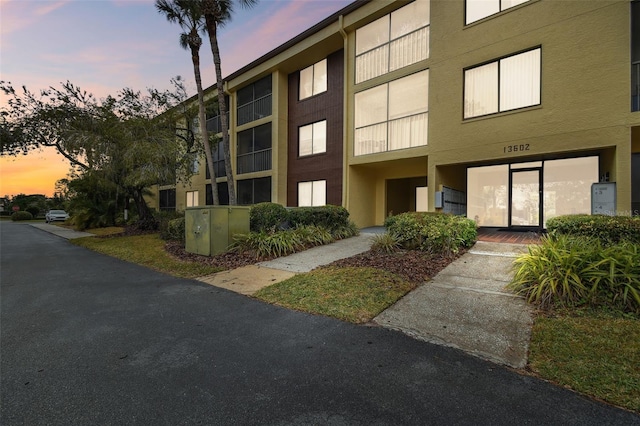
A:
{"x": 393, "y": 115}
{"x": 312, "y": 194}
{"x": 254, "y": 149}
{"x": 217, "y": 154}
{"x": 478, "y": 9}
{"x": 506, "y": 84}
{"x": 223, "y": 194}
{"x": 167, "y": 199}
{"x": 393, "y": 41}
{"x": 253, "y": 191}
{"x": 312, "y": 138}
{"x": 313, "y": 80}
{"x": 254, "y": 101}
{"x": 509, "y": 195}
{"x": 192, "y": 198}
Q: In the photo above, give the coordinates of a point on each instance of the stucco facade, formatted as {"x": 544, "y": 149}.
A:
{"x": 578, "y": 113}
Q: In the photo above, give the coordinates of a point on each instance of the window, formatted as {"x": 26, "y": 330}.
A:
{"x": 167, "y": 199}
{"x": 313, "y": 80}
{"x": 312, "y": 139}
{"x": 223, "y": 194}
{"x": 217, "y": 154}
{"x": 254, "y": 149}
{"x": 393, "y": 41}
{"x": 254, "y": 101}
{"x": 253, "y": 191}
{"x": 195, "y": 164}
{"x": 312, "y": 194}
{"x": 503, "y": 85}
{"x": 478, "y": 9}
{"x": 393, "y": 115}
{"x": 192, "y": 198}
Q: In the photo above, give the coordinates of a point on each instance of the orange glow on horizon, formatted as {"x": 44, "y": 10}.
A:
{"x": 35, "y": 173}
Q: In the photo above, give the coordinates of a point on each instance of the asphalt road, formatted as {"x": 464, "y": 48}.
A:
{"x": 87, "y": 339}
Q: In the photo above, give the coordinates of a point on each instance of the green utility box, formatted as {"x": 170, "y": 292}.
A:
{"x": 210, "y": 230}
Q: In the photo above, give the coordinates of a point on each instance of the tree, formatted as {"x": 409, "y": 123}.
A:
{"x": 218, "y": 13}
{"x": 129, "y": 140}
{"x": 188, "y": 14}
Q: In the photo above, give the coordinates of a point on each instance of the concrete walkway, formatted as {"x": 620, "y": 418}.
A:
{"x": 249, "y": 279}
{"x": 68, "y": 234}
{"x": 465, "y": 306}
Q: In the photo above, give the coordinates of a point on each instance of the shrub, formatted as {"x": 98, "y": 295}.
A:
{"x": 171, "y": 225}
{"x": 267, "y": 216}
{"x": 21, "y": 215}
{"x": 386, "y": 243}
{"x": 608, "y": 229}
{"x": 432, "y": 232}
{"x": 573, "y": 271}
{"x": 329, "y": 217}
{"x": 174, "y": 230}
{"x": 33, "y": 210}
{"x": 268, "y": 245}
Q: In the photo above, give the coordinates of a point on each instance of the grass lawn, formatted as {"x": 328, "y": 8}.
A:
{"x": 147, "y": 250}
{"x": 350, "y": 294}
{"x": 594, "y": 353}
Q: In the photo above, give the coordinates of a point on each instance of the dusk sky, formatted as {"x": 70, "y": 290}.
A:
{"x": 106, "y": 45}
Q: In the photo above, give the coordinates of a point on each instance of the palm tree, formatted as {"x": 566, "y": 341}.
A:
{"x": 188, "y": 14}
{"x": 217, "y": 13}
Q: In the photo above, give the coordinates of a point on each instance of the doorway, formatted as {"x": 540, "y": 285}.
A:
{"x": 526, "y": 198}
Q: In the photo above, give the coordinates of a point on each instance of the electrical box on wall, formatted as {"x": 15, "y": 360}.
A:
{"x": 603, "y": 198}
{"x": 439, "y": 201}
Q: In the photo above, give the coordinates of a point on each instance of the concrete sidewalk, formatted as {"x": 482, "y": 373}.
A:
{"x": 68, "y": 234}
{"x": 249, "y": 279}
{"x": 465, "y": 306}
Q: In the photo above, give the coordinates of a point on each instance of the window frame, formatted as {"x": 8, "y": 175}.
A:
{"x": 500, "y": 10}
{"x": 313, "y": 184}
{"x": 313, "y": 151}
{"x": 391, "y": 39}
{"x": 387, "y": 122}
{"x": 313, "y": 80}
{"x": 497, "y": 62}
{"x": 192, "y": 198}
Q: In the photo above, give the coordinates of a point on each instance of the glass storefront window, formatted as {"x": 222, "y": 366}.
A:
{"x": 567, "y": 186}
{"x": 488, "y": 195}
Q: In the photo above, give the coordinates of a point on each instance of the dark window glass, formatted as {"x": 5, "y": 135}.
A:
{"x": 252, "y": 191}
{"x": 223, "y": 194}
{"x": 167, "y": 199}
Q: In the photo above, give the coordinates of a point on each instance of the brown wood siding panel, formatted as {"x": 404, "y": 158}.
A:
{"x": 325, "y": 106}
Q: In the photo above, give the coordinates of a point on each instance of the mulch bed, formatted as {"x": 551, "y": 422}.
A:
{"x": 413, "y": 265}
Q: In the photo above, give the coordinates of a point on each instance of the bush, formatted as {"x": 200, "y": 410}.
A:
{"x": 608, "y": 229}
{"x": 33, "y": 210}
{"x": 21, "y": 215}
{"x": 432, "y": 232}
{"x": 281, "y": 243}
{"x": 328, "y": 217}
{"x": 267, "y": 217}
{"x": 574, "y": 271}
{"x": 174, "y": 230}
{"x": 385, "y": 243}
{"x": 170, "y": 230}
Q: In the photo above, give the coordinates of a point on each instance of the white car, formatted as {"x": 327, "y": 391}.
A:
{"x": 53, "y": 215}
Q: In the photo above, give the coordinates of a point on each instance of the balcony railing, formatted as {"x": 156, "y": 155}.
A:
{"x": 635, "y": 86}
{"x": 254, "y": 110}
{"x": 256, "y": 161}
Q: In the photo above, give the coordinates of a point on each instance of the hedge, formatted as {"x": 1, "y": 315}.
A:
{"x": 607, "y": 229}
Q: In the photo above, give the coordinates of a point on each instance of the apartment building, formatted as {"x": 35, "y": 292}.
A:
{"x": 506, "y": 111}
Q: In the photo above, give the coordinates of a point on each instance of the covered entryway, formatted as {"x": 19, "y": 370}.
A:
{"x": 523, "y": 196}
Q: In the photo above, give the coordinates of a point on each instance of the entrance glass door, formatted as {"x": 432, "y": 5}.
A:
{"x": 525, "y": 208}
